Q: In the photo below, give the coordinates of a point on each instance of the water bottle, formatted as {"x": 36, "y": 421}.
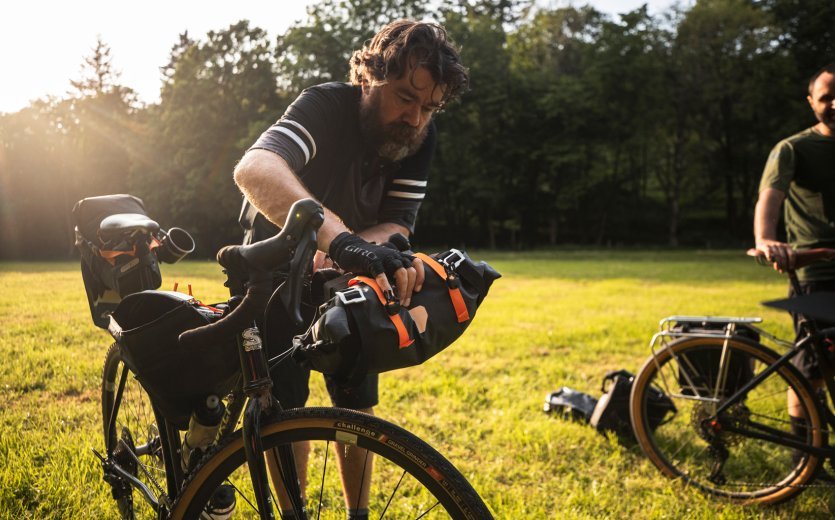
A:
{"x": 202, "y": 429}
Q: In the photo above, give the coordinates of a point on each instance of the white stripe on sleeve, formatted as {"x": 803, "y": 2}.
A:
{"x": 409, "y": 182}
{"x": 305, "y": 132}
{"x": 297, "y": 140}
{"x": 405, "y": 195}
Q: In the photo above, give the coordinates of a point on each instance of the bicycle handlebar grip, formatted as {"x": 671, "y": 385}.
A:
{"x": 813, "y": 256}
{"x": 803, "y": 258}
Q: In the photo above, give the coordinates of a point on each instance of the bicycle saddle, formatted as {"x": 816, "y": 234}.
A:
{"x": 818, "y": 305}
{"x": 122, "y": 223}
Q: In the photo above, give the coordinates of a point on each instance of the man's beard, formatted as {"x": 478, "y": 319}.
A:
{"x": 393, "y": 141}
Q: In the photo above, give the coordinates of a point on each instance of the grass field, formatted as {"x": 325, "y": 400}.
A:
{"x": 554, "y": 319}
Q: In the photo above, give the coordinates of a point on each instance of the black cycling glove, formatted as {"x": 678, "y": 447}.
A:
{"x": 354, "y": 254}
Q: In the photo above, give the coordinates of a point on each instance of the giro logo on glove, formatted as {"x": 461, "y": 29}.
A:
{"x": 360, "y": 251}
{"x": 354, "y": 254}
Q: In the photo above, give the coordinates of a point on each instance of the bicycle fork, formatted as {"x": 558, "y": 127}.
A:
{"x": 257, "y": 385}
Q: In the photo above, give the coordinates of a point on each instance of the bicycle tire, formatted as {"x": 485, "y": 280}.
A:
{"x": 135, "y": 443}
{"x": 431, "y": 478}
{"x": 721, "y": 463}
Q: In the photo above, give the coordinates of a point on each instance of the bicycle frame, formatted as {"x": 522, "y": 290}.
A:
{"x": 813, "y": 340}
{"x": 258, "y": 402}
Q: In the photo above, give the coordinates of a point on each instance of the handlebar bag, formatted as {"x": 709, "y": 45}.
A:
{"x": 111, "y": 270}
{"x": 146, "y": 325}
{"x": 354, "y": 334}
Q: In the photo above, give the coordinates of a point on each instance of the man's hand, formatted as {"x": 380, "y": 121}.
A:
{"x": 780, "y": 254}
{"x": 354, "y": 254}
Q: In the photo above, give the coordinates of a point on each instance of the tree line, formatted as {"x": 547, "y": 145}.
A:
{"x": 579, "y": 127}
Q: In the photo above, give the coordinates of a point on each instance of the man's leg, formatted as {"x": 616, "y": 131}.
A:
{"x": 355, "y": 466}
{"x": 301, "y": 453}
{"x": 290, "y": 387}
{"x": 355, "y": 463}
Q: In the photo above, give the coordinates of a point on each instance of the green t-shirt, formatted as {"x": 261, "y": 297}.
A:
{"x": 803, "y": 167}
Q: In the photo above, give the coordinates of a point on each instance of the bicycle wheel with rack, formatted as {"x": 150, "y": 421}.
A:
{"x": 135, "y": 444}
{"x": 736, "y": 455}
{"x": 409, "y": 480}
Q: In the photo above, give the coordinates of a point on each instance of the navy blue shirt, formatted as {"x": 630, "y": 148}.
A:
{"x": 320, "y": 139}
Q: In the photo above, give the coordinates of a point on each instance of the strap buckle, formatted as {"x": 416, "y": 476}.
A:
{"x": 351, "y": 295}
{"x": 453, "y": 258}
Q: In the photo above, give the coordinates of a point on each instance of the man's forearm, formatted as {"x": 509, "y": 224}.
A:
{"x": 381, "y": 232}
{"x": 767, "y": 214}
{"x": 271, "y": 186}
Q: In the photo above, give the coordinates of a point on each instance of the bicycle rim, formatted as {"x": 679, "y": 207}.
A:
{"x": 135, "y": 443}
{"x": 696, "y": 446}
{"x": 409, "y": 479}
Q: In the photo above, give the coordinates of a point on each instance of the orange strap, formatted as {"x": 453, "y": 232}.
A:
{"x": 110, "y": 256}
{"x": 402, "y": 334}
{"x": 454, "y": 294}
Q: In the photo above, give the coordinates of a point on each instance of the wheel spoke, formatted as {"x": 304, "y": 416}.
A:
{"x": 415, "y": 481}
{"x": 720, "y": 454}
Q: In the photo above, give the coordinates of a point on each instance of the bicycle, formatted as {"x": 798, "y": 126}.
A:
{"x": 730, "y": 434}
{"x": 142, "y": 459}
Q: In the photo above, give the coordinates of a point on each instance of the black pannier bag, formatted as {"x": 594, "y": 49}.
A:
{"x": 353, "y": 333}
{"x": 146, "y": 326}
{"x": 611, "y": 413}
{"x": 570, "y": 404}
{"x": 699, "y": 370}
{"x": 111, "y": 267}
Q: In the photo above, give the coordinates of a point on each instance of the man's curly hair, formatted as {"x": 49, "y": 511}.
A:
{"x": 405, "y": 43}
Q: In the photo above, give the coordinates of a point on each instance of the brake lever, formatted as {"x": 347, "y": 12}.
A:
{"x": 291, "y": 290}
{"x": 304, "y": 220}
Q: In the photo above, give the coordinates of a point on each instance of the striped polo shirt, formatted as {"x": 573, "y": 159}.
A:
{"x": 319, "y": 136}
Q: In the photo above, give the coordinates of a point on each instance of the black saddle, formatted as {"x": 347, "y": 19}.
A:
{"x": 122, "y": 223}
{"x": 818, "y": 305}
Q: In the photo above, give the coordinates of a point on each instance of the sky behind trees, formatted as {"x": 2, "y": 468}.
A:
{"x": 45, "y": 41}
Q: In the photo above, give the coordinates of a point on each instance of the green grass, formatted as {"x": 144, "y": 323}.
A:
{"x": 555, "y": 319}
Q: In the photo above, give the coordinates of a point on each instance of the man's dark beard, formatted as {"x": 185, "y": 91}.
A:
{"x": 394, "y": 141}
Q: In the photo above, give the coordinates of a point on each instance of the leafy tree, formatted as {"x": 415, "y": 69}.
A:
{"x": 728, "y": 49}
{"x": 317, "y": 50}
{"x": 555, "y": 114}
{"x": 215, "y": 92}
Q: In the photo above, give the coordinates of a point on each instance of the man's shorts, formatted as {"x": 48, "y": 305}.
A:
{"x": 291, "y": 388}
{"x": 291, "y": 381}
{"x": 805, "y": 361}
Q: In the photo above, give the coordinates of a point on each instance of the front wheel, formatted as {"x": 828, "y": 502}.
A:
{"x": 409, "y": 480}
{"x": 741, "y": 453}
{"x": 133, "y": 440}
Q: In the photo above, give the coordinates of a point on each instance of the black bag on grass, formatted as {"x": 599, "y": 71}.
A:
{"x": 611, "y": 413}
{"x": 570, "y": 404}
{"x": 147, "y": 325}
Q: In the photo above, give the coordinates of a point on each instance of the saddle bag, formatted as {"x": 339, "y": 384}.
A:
{"x": 146, "y": 325}
{"x": 112, "y": 267}
{"x": 357, "y": 331}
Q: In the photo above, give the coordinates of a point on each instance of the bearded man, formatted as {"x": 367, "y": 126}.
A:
{"x": 363, "y": 150}
{"x": 800, "y": 176}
